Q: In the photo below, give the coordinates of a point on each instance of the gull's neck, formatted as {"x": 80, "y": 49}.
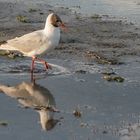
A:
{"x": 52, "y": 33}
{"x": 50, "y": 30}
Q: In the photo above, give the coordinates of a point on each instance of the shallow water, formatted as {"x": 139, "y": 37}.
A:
{"x": 107, "y": 108}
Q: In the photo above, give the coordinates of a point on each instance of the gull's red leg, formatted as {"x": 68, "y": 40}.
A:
{"x": 34, "y": 58}
{"x": 47, "y": 66}
{"x": 33, "y": 64}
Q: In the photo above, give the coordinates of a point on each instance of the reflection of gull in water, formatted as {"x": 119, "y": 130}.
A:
{"x": 37, "y": 97}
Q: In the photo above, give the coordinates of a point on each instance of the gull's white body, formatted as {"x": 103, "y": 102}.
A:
{"x": 35, "y": 43}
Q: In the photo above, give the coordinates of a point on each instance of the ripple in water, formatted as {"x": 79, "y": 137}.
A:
{"x": 24, "y": 69}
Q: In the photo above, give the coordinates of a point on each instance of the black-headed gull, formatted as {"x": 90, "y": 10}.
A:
{"x": 38, "y": 42}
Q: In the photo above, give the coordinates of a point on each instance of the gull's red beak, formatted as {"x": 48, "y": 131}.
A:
{"x": 63, "y": 27}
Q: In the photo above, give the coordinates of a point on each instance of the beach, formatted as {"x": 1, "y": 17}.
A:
{"x": 94, "y": 81}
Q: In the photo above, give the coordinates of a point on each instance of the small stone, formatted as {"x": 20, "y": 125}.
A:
{"x": 80, "y": 71}
{"x": 31, "y": 10}
{"x": 105, "y": 132}
{"x": 3, "y": 123}
{"x": 21, "y": 18}
{"x": 113, "y": 78}
{"x": 77, "y": 113}
{"x": 118, "y": 79}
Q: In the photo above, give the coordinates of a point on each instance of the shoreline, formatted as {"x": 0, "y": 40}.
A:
{"x": 91, "y": 107}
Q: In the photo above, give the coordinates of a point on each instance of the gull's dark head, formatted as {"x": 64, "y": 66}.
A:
{"x": 55, "y": 20}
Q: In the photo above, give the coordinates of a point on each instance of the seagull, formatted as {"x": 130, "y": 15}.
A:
{"x": 38, "y": 42}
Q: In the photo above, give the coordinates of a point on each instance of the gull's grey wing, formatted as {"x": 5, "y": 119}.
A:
{"x": 27, "y": 42}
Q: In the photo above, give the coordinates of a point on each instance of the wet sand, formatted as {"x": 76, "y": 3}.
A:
{"x": 94, "y": 47}
{"x": 122, "y": 9}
